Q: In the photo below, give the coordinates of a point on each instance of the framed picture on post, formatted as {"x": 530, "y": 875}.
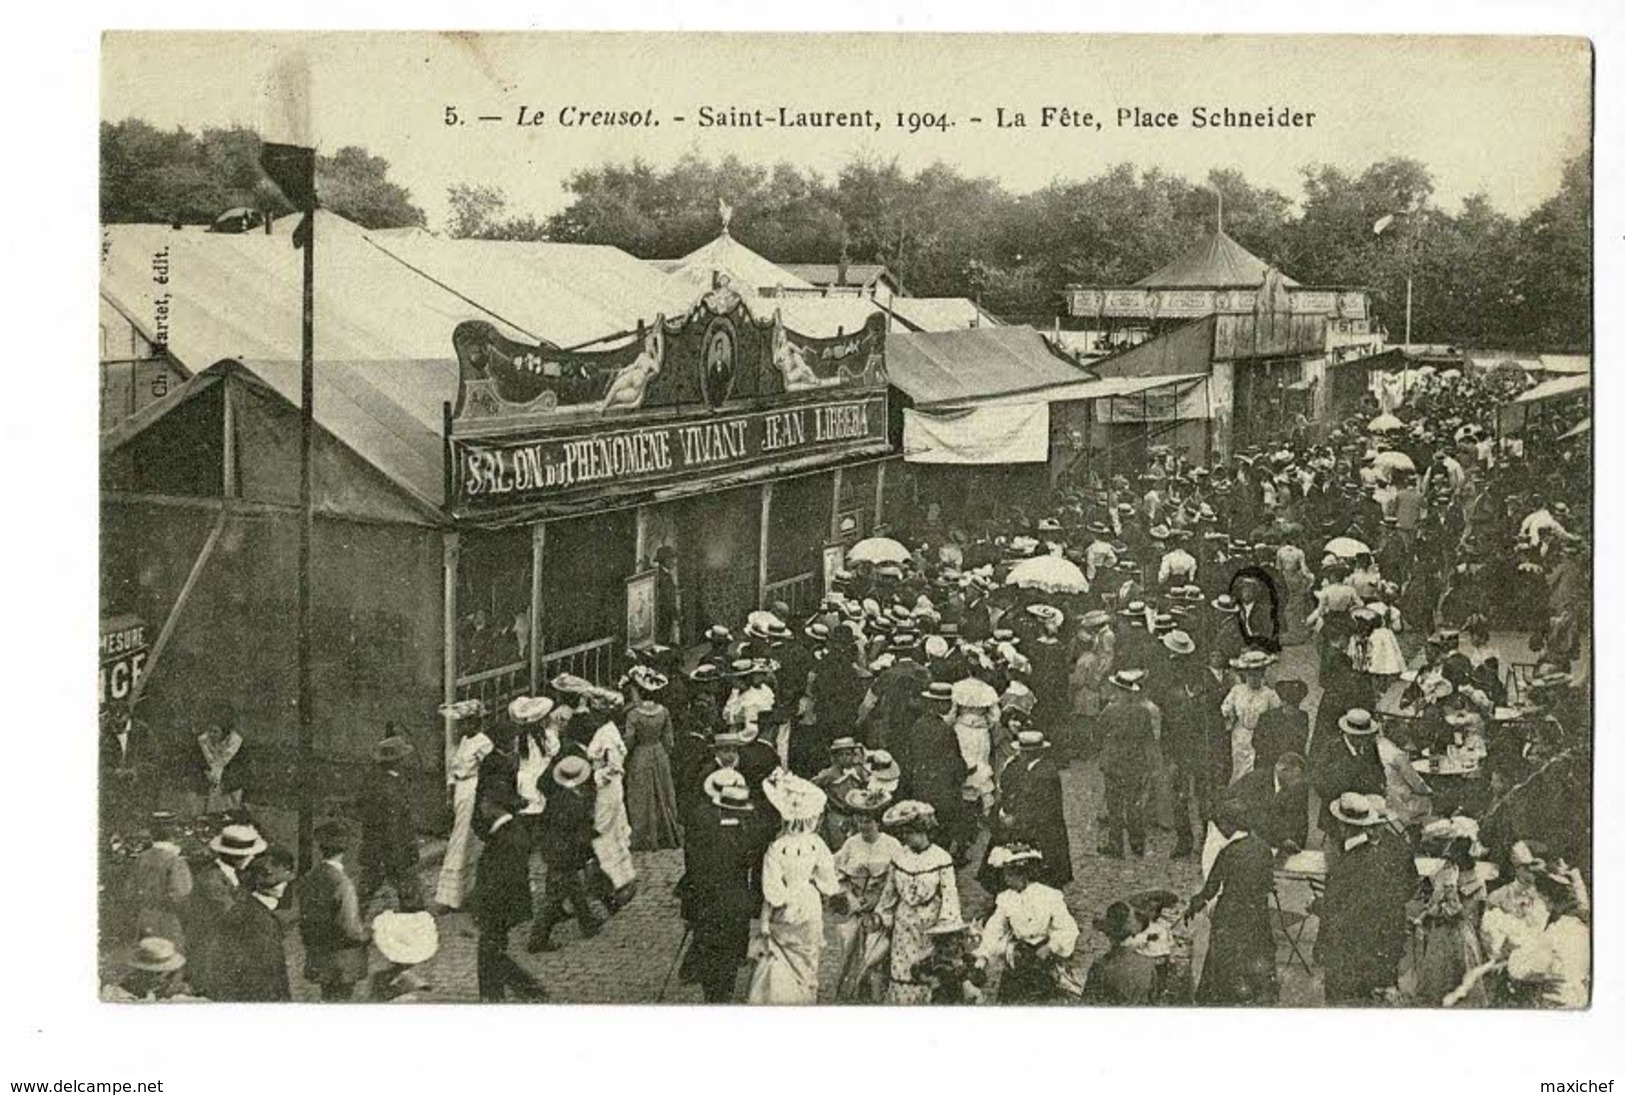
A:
{"x": 640, "y": 609}
{"x": 834, "y": 559}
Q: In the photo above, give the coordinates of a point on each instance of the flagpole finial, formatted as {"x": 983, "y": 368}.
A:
{"x": 726, "y": 213}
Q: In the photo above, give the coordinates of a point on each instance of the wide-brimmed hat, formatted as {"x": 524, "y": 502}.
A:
{"x": 974, "y": 692}
{"x": 572, "y": 772}
{"x": 1252, "y": 659}
{"x": 705, "y": 673}
{"x": 841, "y": 744}
{"x": 647, "y": 679}
{"x": 1093, "y": 619}
{"x": 1005, "y": 635}
{"x": 939, "y": 691}
{"x": 238, "y": 840}
{"x": 1133, "y": 608}
{"x": 909, "y": 813}
{"x": 1161, "y": 622}
{"x": 883, "y": 767}
{"x": 1178, "y": 642}
{"x": 716, "y": 633}
{"x": 727, "y": 788}
{"x": 1353, "y": 808}
{"x": 155, "y": 955}
{"x": 405, "y": 938}
{"x": 1128, "y": 679}
{"x": 937, "y": 647}
{"x": 1030, "y": 741}
{"x": 728, "y": 739}
{"x": 391, "y": 750}
{"x": 1008, "y": 855}
{"x": 526, "y": 710}
{"x": 1357, "y": 722}
{"x": 817, "y": 632}
{"x": 795, "y": 799}
{"x": 869, "y": 799}
{"x": 462, "y": 709}
{"x": 1160, "y": 532}
{"x": 1225, "y": 603}
{"x": 1049, "y": 614}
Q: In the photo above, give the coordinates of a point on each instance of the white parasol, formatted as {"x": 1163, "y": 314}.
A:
{"x": 1346, "y": 547}
{"x": 1394, "y": 460}
{"x": 972, "y": 692}
{"x": 877, "y": 550}
{"x": 1049, "y": 573}
{"x": 1384, "y": 423}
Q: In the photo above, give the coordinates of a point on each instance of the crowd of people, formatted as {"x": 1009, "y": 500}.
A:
{"x": 834, "y": 777}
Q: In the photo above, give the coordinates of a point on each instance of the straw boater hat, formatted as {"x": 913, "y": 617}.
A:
{"x": 1008, "y": 855}
{"x": 909, "y": 814}
{"x": 1004, "y": 635}
{"x": 705, "y": 673}
{"x": 843, "y": 744}
{"x": 391, "y": 750}
{"x": 1160, "y": 532}
{"x": 572, "y": 772}
{"x": 936, "y": 646}
{"x": 1030, "y": 741}
{"x": 405, "y": 939}
{"x": 817, "y": 632}
{"x": 1357, "y": 722}
{"x": 528, "y": 710}
{"x": 1353, "y": 808}
{"x": 238, "y": 840}
{"x": 155, "y": 955}
{"x": 795, "y": 799}
{"x": 728, "y": 789}
{"x": 1133, "y": 608}
{"x": 939, "y": 691}
{"x": 1094, "y": 619}
{"x": 1252, "y": 659}
{"x": 1128, "y": 679}
{"x": 1225, "y": 603}
{"x": 728, "y": 739}
{"x": 1178, "y": 642}
{"x": 716, "y": 633}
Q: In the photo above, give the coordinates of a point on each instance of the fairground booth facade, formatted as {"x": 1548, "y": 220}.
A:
{"x": 527, "y": 458}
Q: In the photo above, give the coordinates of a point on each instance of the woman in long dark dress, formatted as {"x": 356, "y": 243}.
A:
{"x": 1240, "y": 966}
{"x": 651, "y": 796}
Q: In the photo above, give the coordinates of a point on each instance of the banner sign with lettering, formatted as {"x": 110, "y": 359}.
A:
{"x": 1154, "y": 304}
{"x": 493, "y": 472}
{"x": 122, "y": 653}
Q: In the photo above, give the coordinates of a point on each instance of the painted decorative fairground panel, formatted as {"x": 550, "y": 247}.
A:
{"x": 711, "y": 393}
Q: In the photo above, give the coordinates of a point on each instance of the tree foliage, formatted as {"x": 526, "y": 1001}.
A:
{"x": 152, "y": 175}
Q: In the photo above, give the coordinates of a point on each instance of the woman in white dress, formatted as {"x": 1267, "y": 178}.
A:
{"x": 797, "y": 874}
{"x": 920, "y": 892}
{"x": 612, "y": 844}
{"x": 863, "y": 864}
{"x": 463, "y": 777}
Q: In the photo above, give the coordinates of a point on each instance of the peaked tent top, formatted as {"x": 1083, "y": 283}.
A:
{"x": 749, "y": 272}
{"x": 1215, "y": 262}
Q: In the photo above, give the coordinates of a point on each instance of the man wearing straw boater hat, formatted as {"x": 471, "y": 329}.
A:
{"x": 215, "y": 889}
{"x": 255, "y": 963}
{"x": 1363, "y": 924}
{"x": 1129, "y": 727}
{"x": 565, "y": 833}
{"x": 1347, "y": 761}
{"x": 715, "y": 892}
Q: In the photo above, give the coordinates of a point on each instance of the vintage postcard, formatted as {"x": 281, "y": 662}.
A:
{"x": 846, "y": 519}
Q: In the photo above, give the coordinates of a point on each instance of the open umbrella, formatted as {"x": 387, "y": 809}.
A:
{"x": 973, "y": 692}
{"x": 1049, "y": 573}
{"x": 877, "y": 550}
{"x": 1346, "y": 547}
{"x": 1394, "y": 460}
{"x": 1384, "y": 423}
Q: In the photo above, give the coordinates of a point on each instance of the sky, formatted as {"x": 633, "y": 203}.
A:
{"x": 1492, "y": 115}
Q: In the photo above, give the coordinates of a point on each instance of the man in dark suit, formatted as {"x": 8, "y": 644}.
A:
{"x": 216, "y": 890}
{"x": 126, "y": 768}
{"x": 565, "y": 832}
{"x": 389, "y": 841}
{"x": 330, "y": 917}
{"x": 1283, "y": 729}
{"x": 1275, "y": 802}
{"x": 1363, "y": 925}
{"x": 716, "y": 894}
{"x": 501, "y": 899}
{"x": 933, "y": 768}
{"x": 253, "y": 963}
{"x": 1347, "y": 761}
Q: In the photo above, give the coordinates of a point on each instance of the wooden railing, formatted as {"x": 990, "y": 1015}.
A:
{"x": 798, "y": 591}
{"x": 495, "y": 687}
{"x": 598, "y": 661}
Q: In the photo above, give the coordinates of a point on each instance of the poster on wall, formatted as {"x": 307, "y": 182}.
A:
{"x": 640, "y": 609}
{"x": 834, "y": 559}
{"x": 123, "y": 650}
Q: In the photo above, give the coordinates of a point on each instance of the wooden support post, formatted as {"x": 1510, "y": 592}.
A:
{"x": 835, "y": 506}
{"x": 449, "y": 557}
{"x": 763, "y": 543}
{"x": 538, "y": 550}
{"x": 228, "y": 452}
{"x": 880, "y": 494}
{"x": 640, "y": 552}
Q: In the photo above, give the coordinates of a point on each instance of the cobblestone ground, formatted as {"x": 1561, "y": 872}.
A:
{"x": 631, "y": 961}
